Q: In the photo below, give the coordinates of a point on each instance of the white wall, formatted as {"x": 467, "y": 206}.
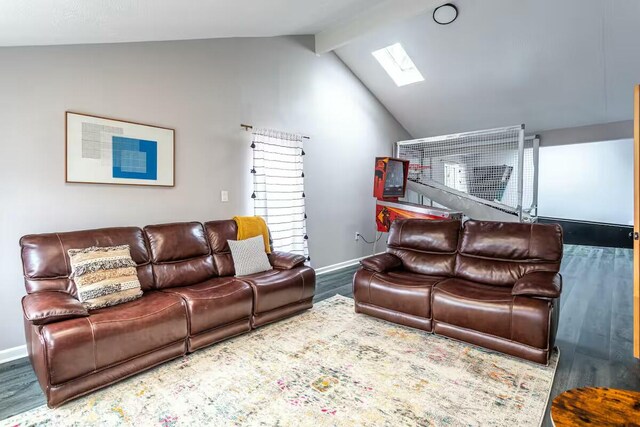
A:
{"x": 590, "y": 181}
{"x": 204, "y": 89}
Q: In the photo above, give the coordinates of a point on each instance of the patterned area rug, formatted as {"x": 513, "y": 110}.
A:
{"x": 326, "y": 367}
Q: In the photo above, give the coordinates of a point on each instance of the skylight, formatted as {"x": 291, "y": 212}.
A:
{"x": 398, "y": 65}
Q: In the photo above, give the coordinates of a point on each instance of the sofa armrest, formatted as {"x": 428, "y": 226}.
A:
{"x": 544, "y": 284}
{"x": 41, "y": 308}
{"x": 381, "y": 263}
{"x": 285, "y": 260}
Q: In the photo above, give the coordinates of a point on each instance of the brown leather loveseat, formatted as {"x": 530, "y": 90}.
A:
{"x": 191, "y": 299}
{"x": 491, "y": 284}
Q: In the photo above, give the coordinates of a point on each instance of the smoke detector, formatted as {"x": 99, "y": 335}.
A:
{"x": 445, "y": 14}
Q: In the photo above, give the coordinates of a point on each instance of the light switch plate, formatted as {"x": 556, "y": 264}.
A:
{"x": 224, "y": 196}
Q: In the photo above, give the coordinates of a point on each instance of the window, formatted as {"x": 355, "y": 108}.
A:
{"x": 398, "y": 65}
{"x": 278, "y": 185}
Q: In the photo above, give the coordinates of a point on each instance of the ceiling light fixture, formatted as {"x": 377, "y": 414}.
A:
{"x": 445, "y": 14}
{"x": 398, "y": 65}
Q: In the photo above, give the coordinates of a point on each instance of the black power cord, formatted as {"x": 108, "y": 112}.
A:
{"x": 368, "y": 242}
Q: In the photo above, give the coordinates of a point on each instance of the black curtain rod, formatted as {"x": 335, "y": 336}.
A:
{"x": 249, "y": 127}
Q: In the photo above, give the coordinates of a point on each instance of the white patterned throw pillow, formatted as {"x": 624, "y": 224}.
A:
{"x": 249, "y": 256}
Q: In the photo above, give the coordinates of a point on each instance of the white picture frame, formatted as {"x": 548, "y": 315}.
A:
{"x": 102, "y": 150}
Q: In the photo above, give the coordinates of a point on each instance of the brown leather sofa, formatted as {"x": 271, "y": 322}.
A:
{"x": 191, "y": 299}
{"x": 491, "y": 284}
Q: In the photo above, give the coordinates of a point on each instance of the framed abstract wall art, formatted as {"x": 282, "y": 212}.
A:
{"x": 100, "y": 150}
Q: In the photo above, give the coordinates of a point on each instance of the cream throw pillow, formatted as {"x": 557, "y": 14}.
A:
{"x": 249, "y": 256}
{"x": 104, "y": 276}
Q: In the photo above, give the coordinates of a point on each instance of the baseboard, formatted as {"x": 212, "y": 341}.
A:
{"x": 338, "y": 266}
{"x": 13, "y": 353}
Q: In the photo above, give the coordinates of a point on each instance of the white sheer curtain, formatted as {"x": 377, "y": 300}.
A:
{"x": 278, "y": 188}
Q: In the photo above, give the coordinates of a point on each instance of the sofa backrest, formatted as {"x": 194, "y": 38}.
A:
{"x": 425, "y": 247}
{"x": 45, "y": 260}
{"x": 180, "y": 254}
{"x": 499, "y": 253}
{"x": 218, "y": 233}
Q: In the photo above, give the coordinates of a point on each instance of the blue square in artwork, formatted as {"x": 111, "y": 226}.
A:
{"x": 134, "y": 158}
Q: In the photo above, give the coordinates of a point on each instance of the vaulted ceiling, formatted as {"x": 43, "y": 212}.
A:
{"x": 546, "y": 63}
{"x": 50, "y": 22}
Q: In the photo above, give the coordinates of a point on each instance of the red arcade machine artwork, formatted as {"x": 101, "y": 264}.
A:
{"x": 390, "y": 184}
{"x": 390, "y": 178}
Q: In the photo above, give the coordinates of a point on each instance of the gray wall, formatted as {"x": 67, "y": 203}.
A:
{"x": 204, "y": 89}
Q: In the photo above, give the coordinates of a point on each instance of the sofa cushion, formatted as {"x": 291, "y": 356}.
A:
{"x": 216, "y": 302}
{"x": 473, "y": 305}
{"x": 249, "y": 256}
{"x": 113, "y": 335}
{"x": 276, "y": 288}
{"x": 424, "y": 235}
{"x": 398, "y": 290}
{"x": 499, "y": 254}
{"x": 104, "y": 276}
{"x": 46, "y": 262}
{"x": 163, "y": 239}
{"x": 425, "y": 247}
{"x": 180, "y": 254}
{"x": 492, "y": 310}
{"x": 512, "y": 241}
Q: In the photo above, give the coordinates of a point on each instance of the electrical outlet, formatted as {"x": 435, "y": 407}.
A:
{"x": 357, "y": 236}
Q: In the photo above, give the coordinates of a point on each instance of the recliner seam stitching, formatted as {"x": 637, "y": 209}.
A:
{"x": 45, "y": 346}
{"x": 64, "y": 255}
{"x": 369, "y": 285}
{"x": 511, "y": 318}
{"x": 552, "y": 307}
{"x": 168, "y": 290}
{"x": 488, "y": 335}
{"x": 183, "y": 302}
{"x": 466, "y": 298}
{"x": 403, "y": 248}
{"x": 139, "y": 317}
{"x": 404, "y": 286}
{"x": 178, "y": 261}
{"x": 396, "y": 312}
{"x": 518, "y": 261}
{"x": 95, "y": 350}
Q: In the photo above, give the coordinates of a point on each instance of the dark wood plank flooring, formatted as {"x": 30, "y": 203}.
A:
{"x": 19, "y": 389}
{"x": 594, "y": 336}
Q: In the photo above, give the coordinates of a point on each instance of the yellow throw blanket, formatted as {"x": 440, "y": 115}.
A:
{"x": 252, "y": 226}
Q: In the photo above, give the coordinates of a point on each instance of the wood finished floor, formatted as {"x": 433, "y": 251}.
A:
{"x": 594, "y": 336}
